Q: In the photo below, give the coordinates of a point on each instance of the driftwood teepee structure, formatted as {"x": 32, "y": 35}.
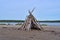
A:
{"x": 30, "y": 23}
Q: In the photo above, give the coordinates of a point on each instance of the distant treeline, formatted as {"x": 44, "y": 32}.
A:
{"x": 24, "y": 20}
{"x": 11, "y": 20}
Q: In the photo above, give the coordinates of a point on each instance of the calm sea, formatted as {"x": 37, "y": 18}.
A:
{"x": 52, "y": 24}
{"x": 47, "y": 23}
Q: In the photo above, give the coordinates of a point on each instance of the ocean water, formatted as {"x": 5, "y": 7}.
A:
{"x": 52, "y": 24}
{"x": 47, "y": 23}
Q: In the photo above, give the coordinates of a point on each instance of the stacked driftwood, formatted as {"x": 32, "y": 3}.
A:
{"x": 30, "y": 23}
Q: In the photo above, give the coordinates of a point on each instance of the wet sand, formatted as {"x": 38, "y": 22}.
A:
{"x": 10, "y": 32}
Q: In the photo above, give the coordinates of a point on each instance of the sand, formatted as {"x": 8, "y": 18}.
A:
{"x": 10, "y": 32}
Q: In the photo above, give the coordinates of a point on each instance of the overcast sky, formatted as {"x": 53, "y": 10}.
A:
{"x": 18, "y": 9}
